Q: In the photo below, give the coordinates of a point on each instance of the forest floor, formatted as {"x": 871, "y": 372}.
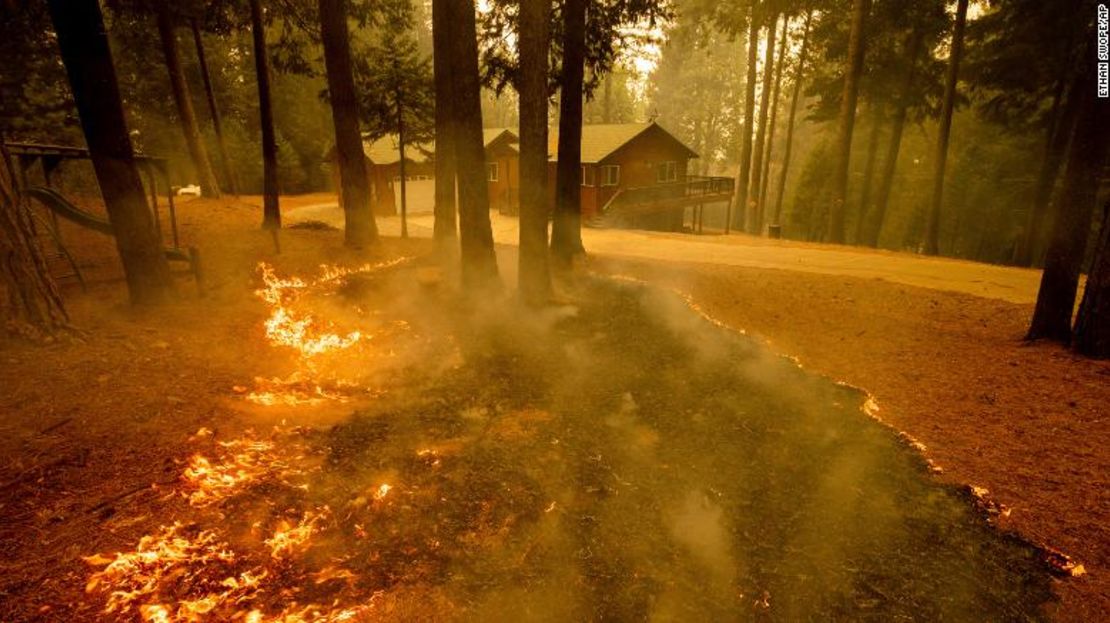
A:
{"x": 90, "y": 425}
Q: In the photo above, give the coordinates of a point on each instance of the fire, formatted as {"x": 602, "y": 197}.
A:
{"x": 288, "y": 539}
{"x": 292, "y": 391}
{"x": 185, "y": 575}
{"x": 308, "y": 614}
{"x": 382, "y": 491}
{"x": 246, "y": 461}
{"x": 130, "y": 578}
{"x": 287, "y": 327}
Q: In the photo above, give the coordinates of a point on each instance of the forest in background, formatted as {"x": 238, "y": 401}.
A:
{"x": 689, "y": 74}
{"x": 968, "y": 129}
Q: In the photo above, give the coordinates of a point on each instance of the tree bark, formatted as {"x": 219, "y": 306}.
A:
{"x": 184, "y": 102}
{"x": 852, "y": 72}
{"x": 802, "y": 54}
{"x": 868, "y": 171}
{"x": 755, "y": 219}
{"x": 1092, "y": 326}
{"x": 88, "y": 61}
{"x": 874, "y": 219}
{"x": 534, "y": 278}
{"x": 743, "y": 175}
{"x": 271, "y": 210}
{"x": 1030, "y": 247}
{"x": 360, "y": 229}
{"x": 401, "y": 166}
{"x": 217, "y": 126}
{"x": 932, "y": 225}
{"x": 34, "y": 308}
{"x": 445, "y": 228}
{"x": 566, "y": 233}
{"x": 607, "y": 102}
{"x": 479, "y": 264}
{"x": 765, "y": 185}
{"x": 1063, "y": 261}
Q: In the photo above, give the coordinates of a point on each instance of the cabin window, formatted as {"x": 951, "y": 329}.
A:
{"x": 491, "y": 172}
{"x": 611, "y": 175}
{"x": 588, "y": 176}
{"x": 667, "y": 172}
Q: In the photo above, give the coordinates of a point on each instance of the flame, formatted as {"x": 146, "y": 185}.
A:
{"x": 288, "y": 538}
{"x": 292, "y": 391}
{"x": 133, "y": 576}
{"x": 286, "y": 327}
{"x": 246, "y": 461}
{"x": 188, "y": 575}
{"x": 382, "y": 491}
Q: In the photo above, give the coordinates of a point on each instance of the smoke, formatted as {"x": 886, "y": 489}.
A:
{"x": 621, "y": 457}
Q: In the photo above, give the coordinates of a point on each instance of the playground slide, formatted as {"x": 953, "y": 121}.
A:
{"x": 61, "y": 206}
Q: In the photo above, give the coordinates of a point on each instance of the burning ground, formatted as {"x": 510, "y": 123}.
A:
{"x": 619, "y": 458}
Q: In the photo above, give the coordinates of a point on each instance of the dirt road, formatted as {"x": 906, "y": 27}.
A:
{"x": 1016, "y": 285}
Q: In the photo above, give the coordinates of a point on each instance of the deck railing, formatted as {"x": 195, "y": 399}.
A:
{"x": 670, "y": 195}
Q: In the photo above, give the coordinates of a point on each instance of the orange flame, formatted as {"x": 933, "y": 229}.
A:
{"x": 213, "y": 481}
{"x": 288, "y": 538}
{"x": 288, "y": 328}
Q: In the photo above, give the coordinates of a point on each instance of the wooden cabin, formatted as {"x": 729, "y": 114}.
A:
{"x": 635, "y": 175}
{"x": 621, "y": 156}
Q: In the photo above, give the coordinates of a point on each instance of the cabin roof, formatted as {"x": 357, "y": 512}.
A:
{"x": 600, "y": 141}
{"x": 386, "y": 150}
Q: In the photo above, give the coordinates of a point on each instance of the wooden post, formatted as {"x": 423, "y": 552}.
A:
{"x": 49, "y": 165}
{"x": 401, "y": 147}
{"x": 154, "y": 198}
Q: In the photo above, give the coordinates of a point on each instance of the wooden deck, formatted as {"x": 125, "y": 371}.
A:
{"x": 630, "y": 205}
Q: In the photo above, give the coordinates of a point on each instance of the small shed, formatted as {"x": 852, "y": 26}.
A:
{"x": 503, "y": 169}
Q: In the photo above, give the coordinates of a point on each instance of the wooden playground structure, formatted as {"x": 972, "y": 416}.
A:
{"x": 49, "y": 159}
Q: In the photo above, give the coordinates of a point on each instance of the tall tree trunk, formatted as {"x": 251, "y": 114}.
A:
{"x": 1092, "y": 326}
{"x": 932, "y": 225}
{"x": 88, "y": 61}
{"x": 184, "y": 102}
{"x": 755, "y": 218}
{"x": 271, "y": 210}
{"x": 1086, "y": 156}
{"x": 852, "y": 71}
{"x": 34, "y": 308}
{"x": 359, "y": 229}
{"x": 446, "y": 226}
{"x": 534, "y": 278}
{"x": 710, "y": 146}
{"x": 1030, "y": 247}
{"x": 607, "y": 102}
{"x": 566, "y": 233}
{"x": 401, "y": 165}
{"x": 479, "y": 264}
{"x": 802, "y": 54}
{"x": 873, "y": 221}
{"x": 765, "y": 185}
{"x": 743, "y": 175}
{"x": 868, "y": 171}
{"x": 217, "y": 126}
